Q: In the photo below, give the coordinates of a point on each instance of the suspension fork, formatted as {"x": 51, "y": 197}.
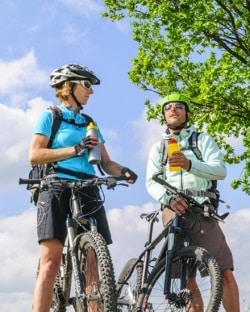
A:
{"x": 71, "y": 237}
{"x": 74, "y": 257}
{"x": 174, "y": 227}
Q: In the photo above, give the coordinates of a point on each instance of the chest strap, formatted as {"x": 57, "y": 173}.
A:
{"x": 199, "y": 193}
{"x": 78, "y": 175}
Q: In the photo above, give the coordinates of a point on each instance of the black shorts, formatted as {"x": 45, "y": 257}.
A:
{"x": 53, "y": 206}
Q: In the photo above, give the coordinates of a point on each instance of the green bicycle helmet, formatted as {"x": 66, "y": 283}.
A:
{"x": 176, "y": 97}
{"x": 72, "y": 72}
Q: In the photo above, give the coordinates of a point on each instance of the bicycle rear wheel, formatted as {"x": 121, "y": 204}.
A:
{"x": 193, "y": 263}
{"x": 97, "y": 274}
{"x": 128, "y": 285}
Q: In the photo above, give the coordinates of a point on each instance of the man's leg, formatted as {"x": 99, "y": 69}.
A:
{"x": 50, "y": 255}
{"x": 230, "y": 298}
{"x": 197, "y": 304}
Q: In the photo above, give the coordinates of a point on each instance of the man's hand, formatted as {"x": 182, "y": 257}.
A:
{"x": 87, "y": 143}
{"x": 179, "y": 159}
{"x": 178, "y": 205}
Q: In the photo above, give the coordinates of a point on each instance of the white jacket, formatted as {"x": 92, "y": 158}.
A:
{"x": 200, "y": 174}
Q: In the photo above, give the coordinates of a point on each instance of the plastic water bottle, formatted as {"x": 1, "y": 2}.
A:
{"x": 173, "y": 147}
{"x": 94, "y": 153}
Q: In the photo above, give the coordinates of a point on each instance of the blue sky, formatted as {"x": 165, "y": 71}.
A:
{"x": 35, "y": 38}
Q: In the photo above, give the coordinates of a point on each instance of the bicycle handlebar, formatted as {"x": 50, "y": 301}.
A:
{"x": 109, "y": 181}
{"x": 190, "y": 200}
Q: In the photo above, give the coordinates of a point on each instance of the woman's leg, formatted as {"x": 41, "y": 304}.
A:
{"x": 50, "y": 256}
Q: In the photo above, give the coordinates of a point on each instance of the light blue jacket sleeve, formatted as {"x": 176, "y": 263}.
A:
{"x": 212, "y": 167}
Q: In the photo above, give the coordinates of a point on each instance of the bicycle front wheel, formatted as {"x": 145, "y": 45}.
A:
{"x": 129, "y": 285}
{"x": 97, "y": 272}
{"x": 196, "y": 284}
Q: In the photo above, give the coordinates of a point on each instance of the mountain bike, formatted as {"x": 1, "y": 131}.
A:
{"x": 86, "y": 258}
{"x": 179, "y": 276}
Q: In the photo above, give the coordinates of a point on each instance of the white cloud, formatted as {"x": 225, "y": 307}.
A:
{"x": 72, "y": 34}
{"x": 147, "y": 133}
{"x": 19, "y": 256}
{"x": 19, "y": 250}
{"x": 123, "y": 26}
{"x": 87, "y": 8}
{"x": 18, "y": 125}
{"x": 17, "y": 76}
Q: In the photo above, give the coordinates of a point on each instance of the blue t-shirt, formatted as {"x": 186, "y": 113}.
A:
{"x": 67, "y": 135}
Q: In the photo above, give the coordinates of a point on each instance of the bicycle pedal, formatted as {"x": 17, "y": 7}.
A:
{"x": 72, "y": 300}
{"x": 223, "y": 217}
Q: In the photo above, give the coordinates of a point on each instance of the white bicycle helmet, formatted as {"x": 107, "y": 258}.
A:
{"x": 72, "y": 72}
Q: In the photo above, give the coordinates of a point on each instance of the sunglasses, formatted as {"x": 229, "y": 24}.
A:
{"x": 85, "y": 83}
{"x": 168, "y": 107}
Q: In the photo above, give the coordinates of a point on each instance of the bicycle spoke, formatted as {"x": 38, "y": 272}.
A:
{"x": 195, "y": 285}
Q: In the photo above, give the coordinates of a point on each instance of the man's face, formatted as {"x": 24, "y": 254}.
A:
{"x": 175, "y": 113}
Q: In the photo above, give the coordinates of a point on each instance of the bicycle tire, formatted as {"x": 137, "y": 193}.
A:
{"x": 153, "y": 299}
{"x": 128, "y": 285}
{"x": 97, "y": 271}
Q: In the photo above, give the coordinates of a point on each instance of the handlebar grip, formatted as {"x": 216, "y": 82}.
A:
{"x": 121, "y": 178}
{"x": 29, "y": 181}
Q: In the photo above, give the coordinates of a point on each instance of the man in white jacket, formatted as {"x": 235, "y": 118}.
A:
{"x": 195, "y": 177}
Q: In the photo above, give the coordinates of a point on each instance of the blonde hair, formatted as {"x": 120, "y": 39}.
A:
{"x": 64, "y": 91}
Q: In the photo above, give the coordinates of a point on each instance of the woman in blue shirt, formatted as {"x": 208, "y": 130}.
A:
{"x": 69, "y": 150}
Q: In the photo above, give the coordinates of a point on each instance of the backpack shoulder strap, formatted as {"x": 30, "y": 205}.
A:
{"x": 193, "y": 144}
{"x": 163, "y": 153}
{"x": 58, "y": 118}
{"x": 88, "y": 118}
{"x": 56, "y": 114}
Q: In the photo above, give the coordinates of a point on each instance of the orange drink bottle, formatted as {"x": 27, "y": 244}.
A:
{"x": 173, "y": 147}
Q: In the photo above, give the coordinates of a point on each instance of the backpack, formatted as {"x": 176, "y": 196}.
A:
{"x": 39, "y": 171}
{"x": 212, "y": 192}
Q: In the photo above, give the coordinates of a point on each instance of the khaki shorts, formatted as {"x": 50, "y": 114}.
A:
{"x": 205, "y": 233}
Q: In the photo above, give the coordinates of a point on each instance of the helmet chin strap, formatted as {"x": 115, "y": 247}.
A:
{"x": 75, "y": 99}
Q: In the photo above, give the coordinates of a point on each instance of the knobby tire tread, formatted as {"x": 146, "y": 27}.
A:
{"x": 129, "y": 282}
{"x": 107, "y": 287}
{"x": 191, "y": 253}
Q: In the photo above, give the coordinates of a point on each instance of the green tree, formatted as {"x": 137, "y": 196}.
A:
{"x": 201, "y": 48}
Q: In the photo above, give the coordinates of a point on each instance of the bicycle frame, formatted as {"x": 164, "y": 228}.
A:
{"x": 140, "y": 273}
{"x": 167, "y": 233}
